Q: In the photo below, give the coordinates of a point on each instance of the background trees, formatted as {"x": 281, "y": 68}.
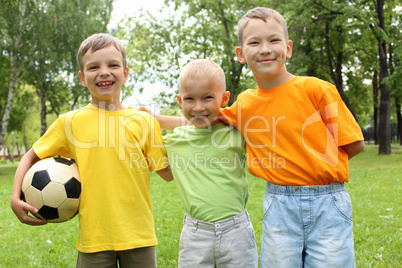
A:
{"x": 334, "y": 40}
{"x": 354, "y": 44}
{"x": 40, "y": 40}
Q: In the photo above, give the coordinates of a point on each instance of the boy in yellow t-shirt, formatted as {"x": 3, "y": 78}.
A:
{"x": 115, "y": 148}
{"x": 300, "y": 136}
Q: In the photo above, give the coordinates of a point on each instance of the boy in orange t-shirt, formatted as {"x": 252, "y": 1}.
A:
{"x": 299, "y": 137}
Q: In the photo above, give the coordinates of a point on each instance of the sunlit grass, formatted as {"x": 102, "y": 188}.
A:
{"x": 375, "y": 189}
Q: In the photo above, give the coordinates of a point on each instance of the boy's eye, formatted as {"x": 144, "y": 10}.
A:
{"x": 92, "y": 67}
{"x": 208, "y": 97}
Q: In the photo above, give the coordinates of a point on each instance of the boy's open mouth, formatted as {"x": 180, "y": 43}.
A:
{"x": 104, "y": 84}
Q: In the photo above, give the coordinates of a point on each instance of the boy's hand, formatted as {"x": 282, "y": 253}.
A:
{"x": 144, "y": 109}
{"x": 21, "y": 210}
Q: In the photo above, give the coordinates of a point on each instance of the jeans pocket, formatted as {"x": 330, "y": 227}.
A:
{"x": 343, "y": 204}
{"x": 268, "y": 202}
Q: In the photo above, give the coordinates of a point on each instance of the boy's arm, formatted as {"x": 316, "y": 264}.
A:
{"x": 165, "y": 173}
{"x": 20, "y": 207}
{"x": 354, "y": 148}
{"x": 165, "y": 121}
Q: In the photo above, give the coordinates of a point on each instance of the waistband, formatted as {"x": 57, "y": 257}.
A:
{"x": 306, "y": 190}
{"x": 222, "y": 224}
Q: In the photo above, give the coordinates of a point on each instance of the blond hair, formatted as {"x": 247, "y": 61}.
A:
{"x": 204, "y": 69}
{"x": 98, "y": 41}
{"x": 262, "y": 13}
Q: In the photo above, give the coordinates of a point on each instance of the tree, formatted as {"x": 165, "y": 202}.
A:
{"x": 15, "y": 20}
{"x": 158, "y": 48}
{"x": 395, "y": 59}
{"x": 326, "y": 36}
{"x": 385, "y": 102}
{"x": 60, "y": 28}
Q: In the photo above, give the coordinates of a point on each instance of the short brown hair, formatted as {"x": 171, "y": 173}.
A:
{"x": 203, "y": 68}
{"x": 99, "y": 41}
{"x": 262, "y": 13}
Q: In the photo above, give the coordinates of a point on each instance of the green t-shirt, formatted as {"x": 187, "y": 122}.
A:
{"x": 208, "y": 166}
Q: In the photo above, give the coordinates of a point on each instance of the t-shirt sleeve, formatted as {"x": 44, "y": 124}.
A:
{"x": 54, "y": 141}
{"x": 338, "y": 118}
{"x": 229, "y": 115}
{"x": 154, "y": 150}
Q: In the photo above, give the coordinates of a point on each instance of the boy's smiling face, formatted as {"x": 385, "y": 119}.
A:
{"x": 265, "y": 50}
{"x": 104, "y": 75}
{"x": 201, "y": 100}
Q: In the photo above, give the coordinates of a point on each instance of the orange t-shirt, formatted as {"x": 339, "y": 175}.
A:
{"x": 294, "y": 132}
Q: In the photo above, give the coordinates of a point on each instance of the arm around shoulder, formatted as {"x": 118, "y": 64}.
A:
{"x": 165, "y": 121}
{"x": 20, "y": 207}
{"x": 354, "y": 148}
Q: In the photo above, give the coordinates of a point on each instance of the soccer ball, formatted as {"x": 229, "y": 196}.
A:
{"x": 53, "y": 186}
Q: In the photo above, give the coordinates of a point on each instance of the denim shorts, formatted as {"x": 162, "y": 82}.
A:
{"x": 307, "y": 226}
{"x": 227, "y": 243}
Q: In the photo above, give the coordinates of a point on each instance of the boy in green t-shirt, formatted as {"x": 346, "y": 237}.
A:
{"x": 115, "y": 148}
{"x": 208, "y": 163}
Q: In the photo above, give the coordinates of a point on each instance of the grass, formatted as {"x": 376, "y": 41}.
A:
{"x": 375, "y": 189}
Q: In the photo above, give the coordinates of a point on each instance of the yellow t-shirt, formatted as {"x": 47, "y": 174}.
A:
{"x": 294, "y": 132}
{"x": 115, "y": 151}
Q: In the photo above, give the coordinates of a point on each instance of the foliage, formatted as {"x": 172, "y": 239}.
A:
{"x": 41, "y": 39}
{"x": 160, "y": 46}
{"x": 333, "y": 39}
{"x": 375, "y": 184}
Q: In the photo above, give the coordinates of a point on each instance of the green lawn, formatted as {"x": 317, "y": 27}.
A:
{"x": 375, "y": 189}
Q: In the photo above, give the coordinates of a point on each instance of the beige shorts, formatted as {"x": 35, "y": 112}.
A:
{"x": 133, "y": 258}
{"x": 226, "y": 243}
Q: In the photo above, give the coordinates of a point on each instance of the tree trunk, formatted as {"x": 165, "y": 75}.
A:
{"x": 26, "y": 143}
{"x": 385, "y": 103}
{"x": 234, "y": 74}
{"x": 15, "y": 71}
{"x": 10, "y": 154}
{"x": 43, "y": 111}
{"x": 399, "y": 117}
{"x": 375, "y": 103}
{"x": 9, "y": 100}
{"x": 337, "y": 75}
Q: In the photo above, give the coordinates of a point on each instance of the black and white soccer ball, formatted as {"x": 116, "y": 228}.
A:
{"x": 53, "y": 186}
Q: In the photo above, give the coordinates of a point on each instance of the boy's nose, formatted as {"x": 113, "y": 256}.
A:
{"x": 265, "y": 49}
{"x": 104, "y": 72}
{"x": 198, "y": 106}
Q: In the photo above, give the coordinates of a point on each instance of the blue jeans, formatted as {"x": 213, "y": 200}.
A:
{"x": 228, "y": 243}
{"x": 307, "y": 226}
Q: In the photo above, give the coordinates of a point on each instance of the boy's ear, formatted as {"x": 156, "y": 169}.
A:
{"x": 179, "y": 100}
{"x": 289, "y": 48}
{"x": 225, "y": 98}
{"x": 125, "y": 74}
{"x": 82, "y": 78}
{"x": 240, "y": 56}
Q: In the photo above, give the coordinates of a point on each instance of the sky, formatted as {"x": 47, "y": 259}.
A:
{"x": 127, "y": 8}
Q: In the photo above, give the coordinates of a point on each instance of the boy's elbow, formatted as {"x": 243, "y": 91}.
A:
{"x": 360, "y": 146}
{"x": 165, "y": 174}
{"x": 354, "y": 149}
